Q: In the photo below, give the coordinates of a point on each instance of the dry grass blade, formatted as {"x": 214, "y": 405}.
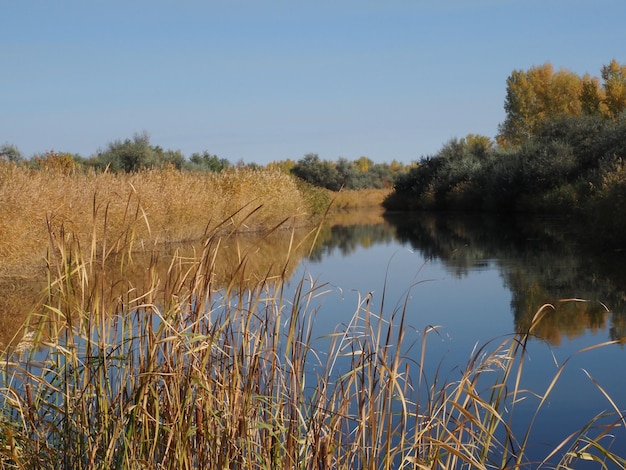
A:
{"x": 619, "y": 412}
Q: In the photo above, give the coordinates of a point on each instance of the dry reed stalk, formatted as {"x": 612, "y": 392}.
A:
{"x": 146, "y": 207}
{"x": 359, "y": 199}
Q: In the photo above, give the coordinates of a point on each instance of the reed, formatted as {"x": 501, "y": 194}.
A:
{"x": 359, "y": 198}
{"x": 164, "y": 206}
{"x": 186, "y": 371}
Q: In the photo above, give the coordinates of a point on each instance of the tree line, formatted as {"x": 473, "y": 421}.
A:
{"x": 361, "y": 173}
{"x": 128, "y": 155}
{"x": 137, "y": 153}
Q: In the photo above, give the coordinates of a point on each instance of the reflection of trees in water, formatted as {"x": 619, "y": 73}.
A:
{"x": 241, "y": 259}
{"x": 540, "y": 262}
{"x": 347, "y": 231}
{"x": 348, "y": 238}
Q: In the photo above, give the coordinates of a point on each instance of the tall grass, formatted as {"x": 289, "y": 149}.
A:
{"x": 182, "y": 371}
{"x": 164, "y": 205}
{"x": 358, "y": 198}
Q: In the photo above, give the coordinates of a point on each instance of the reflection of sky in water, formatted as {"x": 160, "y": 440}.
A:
{"x": 469, "y": 309}
{"x": 472, "y": 308}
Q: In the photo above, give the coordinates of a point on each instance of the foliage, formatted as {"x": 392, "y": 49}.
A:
{"x": 535, "y": 95}
{"x": 55, "y": 162}
{"x": 128, "y": 155}
{"x": 169, "y": 158}
{"x": 362, "y": 173}
{"x": 614, "y": 85}
{"x": 540, "y": 94}
{"x": 563, "y": 166}
{"x": 10, "y": 153}
{"x": 132, "y": 155}
{"x": 591, "y": 97}
{"x": 284, "y": 165}
{"x": 438, "y": 178}
{"x": 317, "y": 172}
{"x": 206, "y": 161}
{"x": 592, "y": 138}
{"x": 607, "y": 217}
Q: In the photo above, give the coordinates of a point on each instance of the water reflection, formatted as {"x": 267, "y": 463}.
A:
{"x": 346, "y": 239}
{"x": 539, "y": 261}
{"x": 237, "y": 261}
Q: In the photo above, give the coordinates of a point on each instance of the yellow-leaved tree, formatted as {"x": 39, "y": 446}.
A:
{"x": 614, "y": 85}
{"x": 540, "y": 93}
{"x": 534, "y": 95}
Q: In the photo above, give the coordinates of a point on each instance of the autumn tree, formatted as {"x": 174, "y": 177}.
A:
{"x": 533, "y": 96}
{"x": 614, "y": 85}
{"x": 284, "y": 166}
{"x": 63, "y": 162}
{"x": 592, "y": 97}
{"x": 478, "y": 145}
{"x": 363, "y": 164}
{"x": 540, "y": 93}
{"x": 518, "y": 106}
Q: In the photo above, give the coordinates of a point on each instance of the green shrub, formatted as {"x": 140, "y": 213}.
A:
{"x": 605, "y": 209}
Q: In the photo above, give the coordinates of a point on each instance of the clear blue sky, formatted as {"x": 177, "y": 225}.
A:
{"x": 270, "y": 80}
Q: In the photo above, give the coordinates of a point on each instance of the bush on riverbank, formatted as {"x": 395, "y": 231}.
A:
{"x": 573, "y": 165}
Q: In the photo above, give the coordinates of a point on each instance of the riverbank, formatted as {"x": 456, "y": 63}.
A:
{"x": 143, "y": 208}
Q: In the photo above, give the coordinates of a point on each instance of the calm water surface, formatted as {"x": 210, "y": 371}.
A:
{"x": 481, "y": 279}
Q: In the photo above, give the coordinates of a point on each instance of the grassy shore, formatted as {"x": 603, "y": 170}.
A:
{"x": 358, "y": 199}
{"x": 163, "y": 205}
{"x": 138, "y": 211}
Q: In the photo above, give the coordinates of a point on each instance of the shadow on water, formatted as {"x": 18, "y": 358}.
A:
{"x": 539, "y": 260}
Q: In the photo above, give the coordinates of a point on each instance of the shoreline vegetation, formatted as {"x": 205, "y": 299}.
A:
{"x": 560, "y": 150}
{"x": 166, "y": 205}
{"x": 147, "y": 211}
{"x": 188, "y": 368}
{"x": 158, "y": 206}
{"x": 572, "y": 168}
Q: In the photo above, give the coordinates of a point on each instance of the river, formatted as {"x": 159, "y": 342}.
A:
{"x": 480, "y": 279}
